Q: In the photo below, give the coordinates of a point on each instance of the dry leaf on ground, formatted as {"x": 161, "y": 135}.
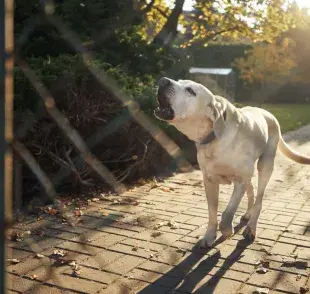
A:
{"x": 156, "y": 234}
{"x": 173, "y": 225}
{"x": 13, "y": 260}
{"x": 262, "y": 270}
{"x": 261, "y": 291}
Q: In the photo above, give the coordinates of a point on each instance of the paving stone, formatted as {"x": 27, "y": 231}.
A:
{"x": 197, "y": 221}
{"x": 283, "y": 249}
{"x": 123, "y": 265}
{"x": 107, "y": 241}
{"x": 20, "y": 284}
{"x": 102, "y": 259}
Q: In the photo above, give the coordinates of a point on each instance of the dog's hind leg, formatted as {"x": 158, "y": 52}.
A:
{"x": 250, "y": 195}
{"x": 265, "y": 168}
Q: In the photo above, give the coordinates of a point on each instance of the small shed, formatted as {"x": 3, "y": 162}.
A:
{"x": 220, "y": 81}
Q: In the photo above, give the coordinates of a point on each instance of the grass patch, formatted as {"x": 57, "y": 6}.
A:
{"x": 290, "y": 116}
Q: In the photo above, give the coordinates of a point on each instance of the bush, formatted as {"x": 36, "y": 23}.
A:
{"x": 128, "y": 150}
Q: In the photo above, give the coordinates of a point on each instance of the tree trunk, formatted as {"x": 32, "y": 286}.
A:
{"x": 169, "y": 31}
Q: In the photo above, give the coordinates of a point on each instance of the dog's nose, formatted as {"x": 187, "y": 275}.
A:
{"x": 164, "y": 82}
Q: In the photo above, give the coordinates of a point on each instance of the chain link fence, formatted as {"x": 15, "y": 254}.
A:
{"x": 85, "y": 158}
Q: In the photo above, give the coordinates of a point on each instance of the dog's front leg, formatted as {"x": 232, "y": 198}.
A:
{"x": 212, "y": 193}
{"x": 226, "y": 225}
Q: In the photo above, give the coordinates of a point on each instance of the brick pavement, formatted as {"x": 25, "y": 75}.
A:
{"x": 148, "y": 245}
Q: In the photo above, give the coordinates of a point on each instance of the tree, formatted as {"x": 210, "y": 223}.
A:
{"x": 248, "y": 20}
{"x": 267, "y": 63}
{"x": 284, "y": 59}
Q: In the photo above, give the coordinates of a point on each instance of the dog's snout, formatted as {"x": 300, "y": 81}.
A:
{"x": 164, "y": 82}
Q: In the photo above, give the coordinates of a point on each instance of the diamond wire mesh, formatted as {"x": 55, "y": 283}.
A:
{"x": 133, "y": 110}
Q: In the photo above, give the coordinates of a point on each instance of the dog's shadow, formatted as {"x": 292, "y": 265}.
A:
{"x": 188, "y": 273}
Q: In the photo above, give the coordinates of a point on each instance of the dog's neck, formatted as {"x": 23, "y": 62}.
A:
{"x": 196, "y": 129}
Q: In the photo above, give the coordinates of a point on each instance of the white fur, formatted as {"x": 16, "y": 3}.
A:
{"x": 247, "y": 135}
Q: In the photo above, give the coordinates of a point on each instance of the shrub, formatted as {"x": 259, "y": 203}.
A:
{"x": 127, "y": 149}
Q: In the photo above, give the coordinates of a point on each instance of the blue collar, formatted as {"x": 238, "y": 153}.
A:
{"x": 210, "y": 137}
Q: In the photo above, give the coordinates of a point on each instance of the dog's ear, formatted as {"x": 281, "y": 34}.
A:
{"x": 219, "y": 123}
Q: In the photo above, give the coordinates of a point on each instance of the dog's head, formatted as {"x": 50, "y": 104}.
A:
{"x": 187, "y": 100}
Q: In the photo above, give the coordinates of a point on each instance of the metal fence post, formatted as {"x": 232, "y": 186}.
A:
{"x": 6, "y": 129}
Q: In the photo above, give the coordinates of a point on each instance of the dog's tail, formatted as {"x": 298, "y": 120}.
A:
{"x": 288, "y": 152}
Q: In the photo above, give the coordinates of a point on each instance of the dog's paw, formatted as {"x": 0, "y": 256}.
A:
{"x": 206, "y": 243}
{"x": 246, "y": 217}
{"x": 249, "y": 234}
{"x": 227, "y": 231}
{"x": 209, "y": 238}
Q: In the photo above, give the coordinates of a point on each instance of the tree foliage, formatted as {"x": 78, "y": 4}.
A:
{"x": 267, "y": 63}
{"x": 284, "y": 59}
{"x": 247, "y": 20}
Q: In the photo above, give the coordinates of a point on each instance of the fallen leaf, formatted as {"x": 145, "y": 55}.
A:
{"x": 95, "y": 199}
{"x": 50, "y": 210}
{"x": 34, "y": 277}
{"x": 262, "y": 270}
{"x": 298, "y": 277}
{"x": 165, "y": 189}
{"x": 258, "y": 262}
{"x": 173, "y": 224}
{"x": 38, "y": 255}
{"x": 75, "y": 267}
{"x": 13, "y": 260}
{"x": 59, "y": 252}
{"x": 263, "y": 249}
{"x": 135, "y": 248}
{"x": 261, "y": 290}
{"x": 181, "y": 250}
{"x": 156, "y": 234}
{"x": 161, "y": 224}
{"x": 76, "y": 273}
{"x": 265, "y": 263}
{"x": 294, "y": 255}
{"x": 78, "y": 212}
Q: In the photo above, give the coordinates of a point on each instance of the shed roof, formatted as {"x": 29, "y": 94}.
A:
{"x": 211, "y": 71}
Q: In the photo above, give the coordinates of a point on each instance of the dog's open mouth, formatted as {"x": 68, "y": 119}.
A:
{"x": 164, "y": 111}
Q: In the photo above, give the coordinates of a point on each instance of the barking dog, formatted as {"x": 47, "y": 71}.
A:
{"x": 229, "y": 141}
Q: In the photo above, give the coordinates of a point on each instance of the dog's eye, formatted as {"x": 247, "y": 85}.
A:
{"x": 190, "y": 90}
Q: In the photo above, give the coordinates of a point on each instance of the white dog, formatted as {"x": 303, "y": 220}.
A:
{"x": 229, "y": 141}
